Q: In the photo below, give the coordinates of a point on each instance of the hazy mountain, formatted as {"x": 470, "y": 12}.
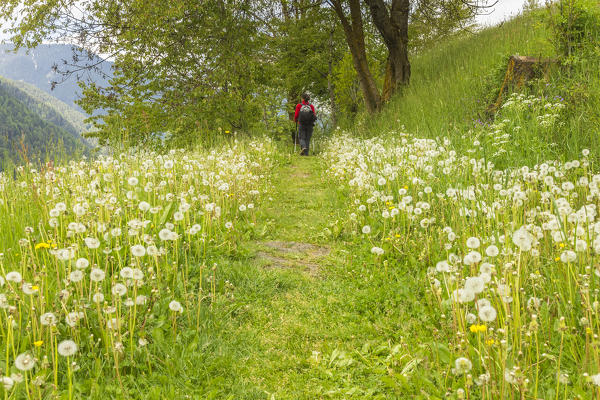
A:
{"x": 35, "y": 66}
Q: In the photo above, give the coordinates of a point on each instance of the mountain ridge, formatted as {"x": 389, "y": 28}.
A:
{"x": 38, "y": 67}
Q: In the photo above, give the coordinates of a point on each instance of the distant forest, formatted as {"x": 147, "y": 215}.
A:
{"x": 26, "y": 137}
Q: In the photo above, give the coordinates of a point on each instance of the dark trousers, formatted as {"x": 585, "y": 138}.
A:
{"x": 304, "y": 135}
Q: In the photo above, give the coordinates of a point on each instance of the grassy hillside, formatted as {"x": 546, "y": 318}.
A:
{"x": 399, "y": 266}
{"x": 453, "y": 83}
{"x": 448, "y": 81}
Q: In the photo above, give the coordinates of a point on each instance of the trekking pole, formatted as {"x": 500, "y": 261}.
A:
{"x": 296, "y": 138}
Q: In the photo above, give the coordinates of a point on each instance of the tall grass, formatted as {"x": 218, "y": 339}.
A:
{"x": 448, "y": 82}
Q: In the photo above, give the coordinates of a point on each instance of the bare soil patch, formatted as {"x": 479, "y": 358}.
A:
{"x": 293, "y": 255}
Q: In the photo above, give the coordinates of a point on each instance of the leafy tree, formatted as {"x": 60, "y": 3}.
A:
{"x": 391, "y": 19}
{"x": 179, "y": 66}
{"x": 185, "y": 68}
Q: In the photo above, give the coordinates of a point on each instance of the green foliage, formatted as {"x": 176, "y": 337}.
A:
{"x": 452, "y": 80}
{"x": 575, "y": 25}
{"x": 526, "y": 128}
{"x": 347, "y": 89}
{"x": 361, "y": 327}
{"x": 184, "y": 70}
{"x": 306, "y": 40}
{"x": 433, "y": 21}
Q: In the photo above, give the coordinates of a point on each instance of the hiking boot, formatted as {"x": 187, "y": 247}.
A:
{"x": 304, "y": 152}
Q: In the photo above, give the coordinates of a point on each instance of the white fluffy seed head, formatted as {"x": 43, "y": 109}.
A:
{"x": 487, "y": 313}
{"x": 24, "y": 362}
{"x": 67, "y": 348}
{"x": 175, "y": 306}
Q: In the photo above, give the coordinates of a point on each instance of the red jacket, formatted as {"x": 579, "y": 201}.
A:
{"x": 299, "y": 106}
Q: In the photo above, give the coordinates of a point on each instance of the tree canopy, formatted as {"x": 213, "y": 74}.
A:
{"x": 185, "y": 68}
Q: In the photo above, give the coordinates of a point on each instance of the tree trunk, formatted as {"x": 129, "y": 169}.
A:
{"x": 392, "y": 24}
{"x": 397, "y": 74}
{"x": 367, "y": 83}
{"x": 354, "y": 33}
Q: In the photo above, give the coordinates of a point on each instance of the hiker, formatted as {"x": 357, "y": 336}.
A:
{"x": 305, "y": 118}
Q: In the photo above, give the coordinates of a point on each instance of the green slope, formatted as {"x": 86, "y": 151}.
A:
{"x": 25, "y": 136}
{"x": 449, "y": 81}
{"x": 47, "y": 106}
{"x": 454, "y": 82}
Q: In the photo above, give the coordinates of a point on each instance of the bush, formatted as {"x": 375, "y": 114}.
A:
{"x": 576, "y": 25}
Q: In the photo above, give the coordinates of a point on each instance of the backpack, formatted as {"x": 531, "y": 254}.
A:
{"x": 306, "y": 116}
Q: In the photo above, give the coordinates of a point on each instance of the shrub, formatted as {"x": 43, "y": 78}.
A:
{"x": 576, "y": 25}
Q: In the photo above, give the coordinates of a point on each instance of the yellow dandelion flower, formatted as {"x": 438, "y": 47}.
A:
{"x": 42, "y": 245}
{"x": 561, "y": 245}
{"x": 589, "y": 330}
{"x": 478, "y": 328}
{"x": 35, "y": 288}
{"x": 405, "y": 187}
{"x": 38, "y": 343}
{"x": 397, "y": 235}
{"x": 490, "y": 342}
{"x": 557, "y": 259}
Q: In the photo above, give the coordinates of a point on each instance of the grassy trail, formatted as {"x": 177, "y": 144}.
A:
{"x": 316, "y": 325}
{"x": 303, "y": 202}
{"x": 298, "y": 324}
{"x": 304, "y": 317}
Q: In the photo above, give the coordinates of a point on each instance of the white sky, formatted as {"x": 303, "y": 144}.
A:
{"x": 503, "y": 10}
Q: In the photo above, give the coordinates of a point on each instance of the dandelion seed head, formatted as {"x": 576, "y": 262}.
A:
{"x": 97, "y": 275}
{"x": 487, "y": 313}
{"x": 48, "y": 319}
{"x": 82, "y": 263}
{"x": 473, "y": 243}
{"x": 24, "y": 362}
{"x": 119, "y": 289}
{"x": 138, "y": 250}
{"x": 175, "y": 306}
{"x": 14, "y": 276}
{"x": 462, "y": 365}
